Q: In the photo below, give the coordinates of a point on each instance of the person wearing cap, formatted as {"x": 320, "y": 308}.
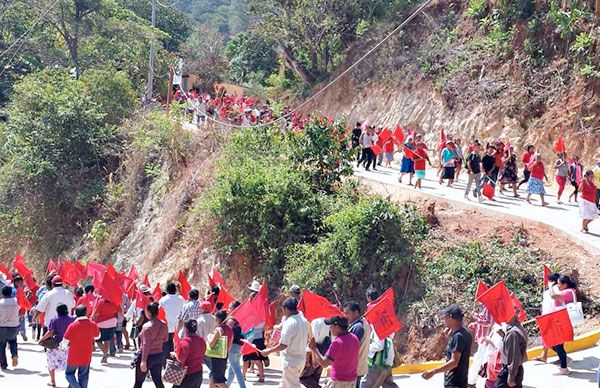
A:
{"x": 514, "y": 354}
{"x": 51, "y": 299}
{"x": 456, "y": 368}
{"x": 362, "y": 331}
{"x": 295, "y": 292}
{"x": 257, "y": 337}
{"x": 342, "y": 355}
{"x": 206, "y": 321}
{"x": 596, "y": 171}
{"x": 292, "y": 345}
{"x": 448, "y": 158}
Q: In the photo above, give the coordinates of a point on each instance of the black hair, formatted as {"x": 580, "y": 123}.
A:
{"x": 7, "y": 291}
{"x": 553, "y": 277}
{"x": 194, "y": 294}
{"x": 152, "y": 308}
{"x": 529, "y": 146}
{"x": 191, "y": 325}
{"x": 290, "y": 304}
{"x": 49, "y": 281}
{"x": 221, "y": 315}
{"x": 79, "y": 291}
{"x": 89, "y": 288}
{"x": 17, "y": 278}
{"x": 219, "y": 306}
{"x": 353, "y": 306}
{"x": 372, "y": 293}
{"x": 80, "y": 311}
{"x": 235, "y": 304}
{"x": 171, "y": 288}
{"x": 215, "y": 290}
{"x": 564, "y": 279}
{"x": 62, "y": 310}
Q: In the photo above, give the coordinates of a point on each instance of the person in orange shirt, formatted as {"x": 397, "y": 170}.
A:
{"x": 536, "y": 183}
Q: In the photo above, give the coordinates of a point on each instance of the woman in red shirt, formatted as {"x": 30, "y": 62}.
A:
{"x": 587, "y": 203}
{"x": 536, "y": 183}
{"x": 420, "y": 156}
{"x": 190, "y": 352}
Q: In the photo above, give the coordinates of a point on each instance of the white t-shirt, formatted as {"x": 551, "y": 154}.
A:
{"x": 172, "y": 305}
{"x": 51, "y": 300}
{"x": 294, "y": 334}
{"x": 206, "y": 325}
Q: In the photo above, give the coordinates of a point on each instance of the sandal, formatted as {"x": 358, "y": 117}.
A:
{"x": 261, "y": 379}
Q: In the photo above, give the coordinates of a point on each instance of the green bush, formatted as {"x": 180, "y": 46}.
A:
{"x": 477, "y": 8}
{"x": 365, "y": 243}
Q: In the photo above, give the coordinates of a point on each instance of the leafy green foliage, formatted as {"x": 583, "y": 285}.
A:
{"x": 251, "y": 58}
{"x": 111, "y": 92}
{"x": 370, "y": 241}
{"x": 226, "y": 17}
{"x": 203, "y": 51}
{"x": 566, "y": 20}
{"x": 477, "y": 8}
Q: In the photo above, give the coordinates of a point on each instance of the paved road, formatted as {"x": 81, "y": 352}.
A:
{"x": 32, "y": 372}
{"x": 564, "y": 217}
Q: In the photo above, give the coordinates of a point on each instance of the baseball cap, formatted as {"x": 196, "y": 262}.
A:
{"x": 295, "y": 289}
{"x": 144, "y": 288}
{"x": 57, "y": 281}
{"x": 206, "y": 306}
{"x": 338, "y": 321}
{"x": 453, "y": 311}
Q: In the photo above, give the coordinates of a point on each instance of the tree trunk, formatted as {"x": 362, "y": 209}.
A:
{"x": 293, "y": 64}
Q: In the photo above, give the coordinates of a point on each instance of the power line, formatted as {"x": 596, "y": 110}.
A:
{"x": 367, "y": 54}
{"x": 29, "y": 29}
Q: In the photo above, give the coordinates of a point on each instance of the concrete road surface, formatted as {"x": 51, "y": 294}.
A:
{"x": 31, "y": 373}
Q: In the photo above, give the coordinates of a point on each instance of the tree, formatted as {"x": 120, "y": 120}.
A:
{"x": 204, "y": 56}
{"x": 250, "y": 57}
{"x": 227, "y": 17}
{"x": 309, "y": 33}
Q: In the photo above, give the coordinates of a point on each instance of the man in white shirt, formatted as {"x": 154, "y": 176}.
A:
{"x": 57, "y": 295}
{"x": 292, "y": 345}
{"x": 172, "y": 303}
{"x": 9, "y": 326}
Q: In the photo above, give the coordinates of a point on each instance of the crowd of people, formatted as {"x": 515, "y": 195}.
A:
{"x": 489, "y": 166}
{"x": 174, "y": 327}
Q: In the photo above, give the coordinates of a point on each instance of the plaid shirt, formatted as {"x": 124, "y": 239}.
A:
{"x": 190, "y": 310}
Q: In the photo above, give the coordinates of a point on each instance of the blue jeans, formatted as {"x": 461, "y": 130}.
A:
{"x": 22, "y": 324}
{"x": 83, "y": 375}
{"x": 8, "y": 334}
{"x": 235, "y": 368}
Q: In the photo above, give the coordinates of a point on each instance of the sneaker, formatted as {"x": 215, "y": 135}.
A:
{"x": 15, "y": 361}
{"x": 4, "y": 366}
{"x": 564, "y": 371}
{"x": 24, "y": 336}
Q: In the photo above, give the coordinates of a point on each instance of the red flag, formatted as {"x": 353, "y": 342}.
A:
{"x": 157, "y": 293}
{"x": 247, "y": 316}
{"x": 51, "y": 268}
{"x": 176, "y": 342}
{"x": 399, "y": 135}
{"x": 315, "y": 306}
{"x": 6, "y": 272}
{"x": 111, "y": 271}
{"x": 559, "y": 146}
{"x": 94, "y": 269}
{"x": 385, "y": 135}
{"x": 131, "y": 290}
{"x": 133, "y": 273}
{"x": 82, "y": 269}
{"x": 33, "y": 286}
{"x": 555, "y": 328}
{"x": 22, "y": 300}
{"x": 488, "y": 191}
{"x": 248, "y": 348}
{"x": 547, "y": 272}
{"x": 146, "y": 281}
{"x": 110, "y": 289}
{"x": 270, "y": 322}
{"x": 498, "y": 302}
{"x": 225, "y": 297}
{"x": 389, "y": 293}
{"x": 69, "y": 273}
{"x": 21, "y": 266}
{"x": 517, "y": 303}
{"x": 261, "y": 302}
{"x": 141, "y": 300}
{"x": 211, "y": 282}
{"x": 481, "y": 288}
{"x": 383, "y": 318}
{"x": 162, "y": 315}
{"x": 216, "y": 276}
{"x": 408, "y": 153}
{"x": 184, "y": 285}
{"x": 376, "y": 149}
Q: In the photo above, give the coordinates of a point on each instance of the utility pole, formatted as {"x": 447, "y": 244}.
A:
{"x": 152, "y": 53}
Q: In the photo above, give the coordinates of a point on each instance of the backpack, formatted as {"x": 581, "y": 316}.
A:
{"x": 378, "y": 362}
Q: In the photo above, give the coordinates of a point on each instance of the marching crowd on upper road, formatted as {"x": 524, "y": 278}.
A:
{"x": 176, "y": 333}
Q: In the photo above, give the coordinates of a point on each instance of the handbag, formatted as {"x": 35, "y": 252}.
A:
{"x": 174, "y": 372}
{"x": 575, "y": 311}
{"x": 49, "y": 343}
{"x": 219, "y": 350}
